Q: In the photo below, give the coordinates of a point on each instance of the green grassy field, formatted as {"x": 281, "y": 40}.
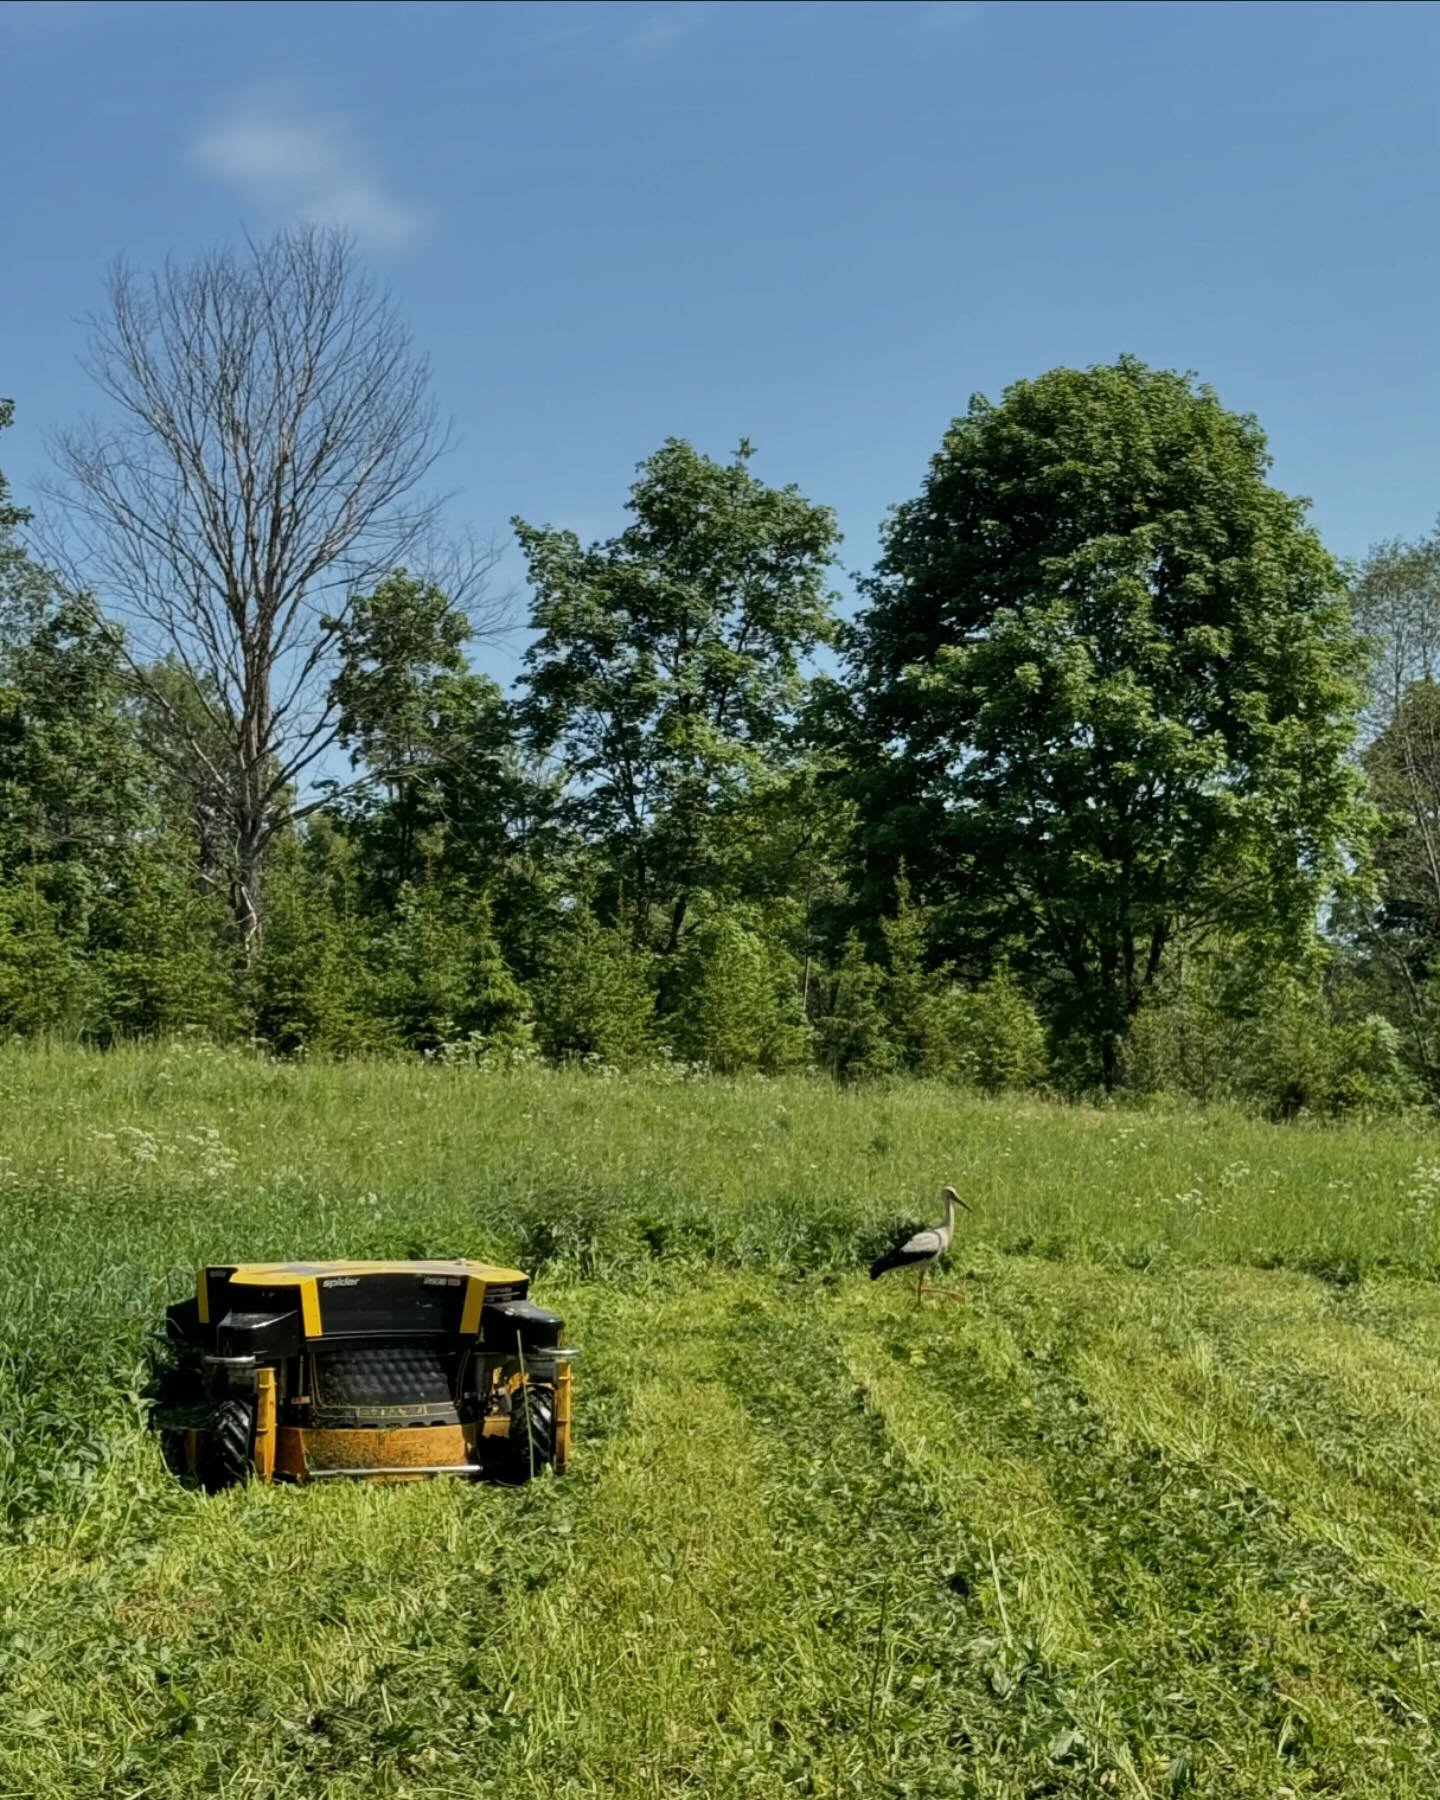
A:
{"x": 1149, "y": 1510}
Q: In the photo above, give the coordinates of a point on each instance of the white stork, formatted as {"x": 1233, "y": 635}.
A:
{"x": 924, "y": 1248}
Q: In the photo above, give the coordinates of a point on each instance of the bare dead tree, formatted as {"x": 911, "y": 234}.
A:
{"x": 270, "y": 434}
{"x": 1396, "y": 599}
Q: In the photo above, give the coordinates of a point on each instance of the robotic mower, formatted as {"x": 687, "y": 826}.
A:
{"x": 377, "y": 1371}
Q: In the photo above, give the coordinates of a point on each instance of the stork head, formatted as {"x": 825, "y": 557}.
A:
{"x": 952, "y": 1200}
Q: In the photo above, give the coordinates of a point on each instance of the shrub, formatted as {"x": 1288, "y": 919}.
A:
{"x": 997, "y": 1037}
{"x": 1233, "y": 1030}
{"x": 313, "y": 984}
{"x": 46, "y": 983}
{"x": 734, "y": 1000}
{"x": 854, "y": 1034}
{"x": 163, "y": 950}
{"x": 596, "y": 997}
{"x": 442, "y": 977}
{"x": 1300, "y": 1061}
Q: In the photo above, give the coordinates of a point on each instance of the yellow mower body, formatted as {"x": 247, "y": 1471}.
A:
{"x": 380, "y": 1371}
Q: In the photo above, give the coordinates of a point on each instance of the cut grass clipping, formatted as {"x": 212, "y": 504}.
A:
{"x": 1150, "y": 1511}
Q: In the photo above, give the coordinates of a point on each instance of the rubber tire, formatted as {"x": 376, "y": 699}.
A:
{"x": 530, "y": 1447}
{"x": 225, "y": 1459}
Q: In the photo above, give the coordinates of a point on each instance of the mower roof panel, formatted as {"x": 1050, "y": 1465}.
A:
{"x": 287, "y": 1274}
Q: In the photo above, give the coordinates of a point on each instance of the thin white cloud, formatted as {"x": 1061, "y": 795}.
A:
{"x": 306, "y": 167}
{"x": 663, "y": 27}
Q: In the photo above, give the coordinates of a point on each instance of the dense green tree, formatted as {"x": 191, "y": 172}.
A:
{"x": 1107, "y": 683}
{"x": 853, "y": 1027}
{"x": 399, "y": 647}
{"x": 1285, "y": 1038}
{"x": 402, "y": 650}
{"x": 314, "y": 984}
{"x": 735, "y": 998}
{"x": 996, "y": 1035}
{"x": 1395, "y": 946}
{"x": 1399, "y": 937}
{"x": 162, "y": 948}
{"x": 447, "y": 791}
{"x": 988, "y": 1036}
{"x": 27, "y": 590}
{"x": 916, "y": 994}
{"x": 1395, "y": 596}
{"x": 667, "y": 671}
{"x": 70, "y": 770}
{"x": 73, "y": 777}
{"x": 48, "y": 984}
{"x": 440, "y": 976}
{"x": 596, "y": 997}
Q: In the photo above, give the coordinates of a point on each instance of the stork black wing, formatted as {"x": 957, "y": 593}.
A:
{"x": 922, "y": 1248}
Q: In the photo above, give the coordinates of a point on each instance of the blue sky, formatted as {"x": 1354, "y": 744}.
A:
{"x": 821, "y": 226}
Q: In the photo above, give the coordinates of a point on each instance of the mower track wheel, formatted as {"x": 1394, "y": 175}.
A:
{"x": 531, "y": 1443}
{"x": 229, "y": 1435}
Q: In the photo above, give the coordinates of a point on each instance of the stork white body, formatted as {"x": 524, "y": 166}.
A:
{"x": 924, "y": 1248}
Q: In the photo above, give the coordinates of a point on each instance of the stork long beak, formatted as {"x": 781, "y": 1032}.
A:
{"x": 948, "y": 1193}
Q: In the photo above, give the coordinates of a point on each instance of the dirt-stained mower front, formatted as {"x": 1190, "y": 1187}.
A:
{"x": 379, "y": 1371}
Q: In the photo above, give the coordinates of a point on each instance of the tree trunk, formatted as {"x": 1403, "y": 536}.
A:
{"x": 247, "y": 886}
{"x": 1109, "y": 1060}
{"x": 677, "y": 923}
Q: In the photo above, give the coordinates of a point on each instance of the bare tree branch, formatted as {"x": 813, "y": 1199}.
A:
{"x": 271, "y": 429}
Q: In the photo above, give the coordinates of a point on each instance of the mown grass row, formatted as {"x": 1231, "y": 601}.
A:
{"x": 1148, "y": 1510}
{"x": 1076, "y": 1533}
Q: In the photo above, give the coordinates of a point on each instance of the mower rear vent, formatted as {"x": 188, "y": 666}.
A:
{"x": 383, "y": 1384}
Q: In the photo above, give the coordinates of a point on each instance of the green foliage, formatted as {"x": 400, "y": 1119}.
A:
{"x": 71, "y": 770}
{"x": 162, "y": 948}
{"x": 1271, "y": 1036}
{"x": 313, "y": 983}
{"x": 734, "y": 1000}
{"x": 596, "y": 998}
{"x": 1098, "y": 717}
{"x": 399, "y": 648}
{"x": 420, "y": 725}
{"x": 987, "y": 1036}
{"x": 440, "y": 977}
{"x": 1106, "y": 688}
{"x": 853, "y": 1033}
{"x": 917, "y": 999}
{"x": 667, "y": 668}
{"x": 27, "y": 591}
{"x": 47, "y": 984}
{"x": 1300, "y": 1061}
{"x": 997, "y": 1035}
{"x": 1194, "y": 1030}
{"x": 1403, "y": 764}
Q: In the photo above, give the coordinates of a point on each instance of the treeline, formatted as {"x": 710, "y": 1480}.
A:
{"x": 1114, "y": 780}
